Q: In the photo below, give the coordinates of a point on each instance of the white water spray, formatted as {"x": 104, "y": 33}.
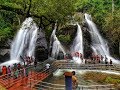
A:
{"x": 99, "y": 45}
{"x": 77, "y": 44}
{"x": 24, "y": 42}
{"x": 55, "y": 45}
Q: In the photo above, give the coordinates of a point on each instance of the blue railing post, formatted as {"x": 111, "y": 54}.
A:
{"x": 68, "y": 80}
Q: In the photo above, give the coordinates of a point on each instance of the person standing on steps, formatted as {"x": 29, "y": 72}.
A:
{"x": 74, "y": 81}
{"x": 111, "y": 62}
{"x": 106, "y": 60}
{"x": 101, "y": 58}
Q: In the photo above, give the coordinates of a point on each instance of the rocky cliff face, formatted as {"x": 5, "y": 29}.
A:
{"x": 86, "y": 42}
{"x": 5, "y": 50}
{"x": 71, "y": 31}
{"x": 41, "y": 51}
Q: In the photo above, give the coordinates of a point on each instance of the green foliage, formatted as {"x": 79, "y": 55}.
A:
{"x": 102, "y": 13}
{"x": 112, "y": 26}
{"x": 52, "y": 9}
{"x": 64, "y": 38}
{"x": 5, "y": 26}
{"x": 106, "y": 14}
{"x": 102, "y": 77}
{"x": 5, "y": 33}
{"x": 5, "y": 30}
{"x": 112, "y": 80}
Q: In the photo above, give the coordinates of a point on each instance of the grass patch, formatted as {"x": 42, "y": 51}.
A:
{"x": 102, "y": 78}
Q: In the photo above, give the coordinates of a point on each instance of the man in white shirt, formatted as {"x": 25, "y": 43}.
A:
{"x": 47, "y": 66}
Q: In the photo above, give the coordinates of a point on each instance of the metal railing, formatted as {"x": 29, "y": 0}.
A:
{"x": 10, "y": 79}
{"x": 96, "y": 87}
{"x": 38, "y": 77}
{"x": 35, "y": 81}
{"x": 50, "y": 86}
{"x": 72, "y": 65}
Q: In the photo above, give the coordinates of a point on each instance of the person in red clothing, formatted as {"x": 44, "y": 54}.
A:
{"x": 4, "y": 71}
{"x": 98, "y": 59}
{"x": 77, "y": 54}
{"x": 18, "y": 66}
{"x": 65, "y": 57}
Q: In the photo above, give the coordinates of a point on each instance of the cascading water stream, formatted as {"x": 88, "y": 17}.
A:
{"x": 24, "y": 42}
{"x": 99, "y": 45}
{"x": 77, "y": 45}
{"x": 55, "y": 45}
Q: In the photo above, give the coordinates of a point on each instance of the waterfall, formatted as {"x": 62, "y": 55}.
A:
{"x": 24, "y": 42}
{"x": 55, "y": 45}
{"x": 99, "y": 45}
{"x": 77, "y": 45}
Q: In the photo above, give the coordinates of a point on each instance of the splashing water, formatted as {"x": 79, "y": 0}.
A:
{"x": 55, "y": 45}
{"x": 99, "y": 45}
{"x": 77, "y": 44}
{"x": 24, "y": 42}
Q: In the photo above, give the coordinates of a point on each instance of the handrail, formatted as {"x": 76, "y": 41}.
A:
{"x": 59, "y": 65}
{"x": 71, "y": 65}
{"x": 9, "y": 81}
{"x": 62, "y": 87}
{"x": 48, "y": 71}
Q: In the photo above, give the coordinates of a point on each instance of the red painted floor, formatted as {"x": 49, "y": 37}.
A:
{"x": 23, "y": 83}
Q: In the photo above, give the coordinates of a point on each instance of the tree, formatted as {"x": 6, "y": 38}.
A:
{"x": 47, "y": 11}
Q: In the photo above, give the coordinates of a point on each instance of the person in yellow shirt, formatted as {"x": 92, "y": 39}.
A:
{"x": 74, "y": 81}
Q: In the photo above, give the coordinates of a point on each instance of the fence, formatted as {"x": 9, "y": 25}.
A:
{"x": 72, "y": 65}
{"x": 50, "y": 86}
{"x": 20, "y": 76}
{"x": 35, "y": 80}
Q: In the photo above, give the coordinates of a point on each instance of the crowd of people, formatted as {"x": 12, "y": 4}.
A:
{"x": 17, "y": 69}
{"x": 99, "y": 59}
{"x": 75, "y": 54}
{"x": 93, "y": 59}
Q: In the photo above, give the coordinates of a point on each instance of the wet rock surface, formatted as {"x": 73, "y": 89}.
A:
{"x": 5, "y": 50}
{"x": 41, "y": 50}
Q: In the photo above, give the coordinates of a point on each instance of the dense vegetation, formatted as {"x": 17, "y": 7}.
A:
{"x": 105, "y": 13}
